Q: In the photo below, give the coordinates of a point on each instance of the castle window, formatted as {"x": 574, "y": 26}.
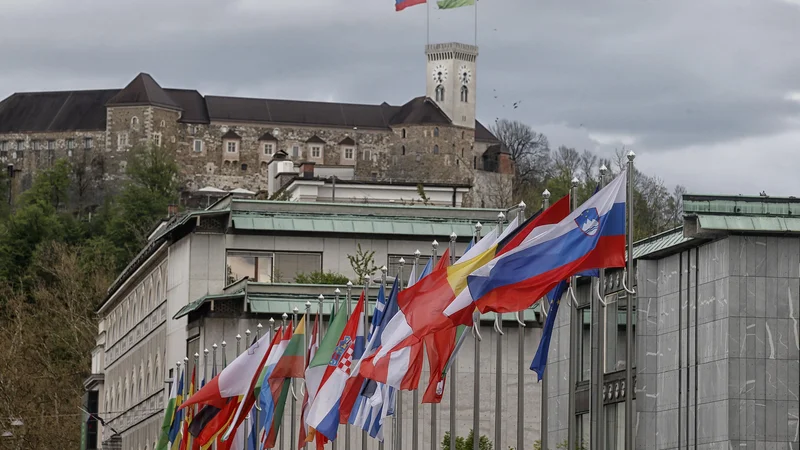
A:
{"x": 440, "y": 93}
{"x": 435, "y": 149}
{"x": 88, "y": 143}
{"x": 244, "y": 167}
{"x": 269, "y": 149}
{"x": 404, "y": 149}
{"x": 348, "y": 153}
{"x": 37, "y": 145}
{"x": 198, "y": 145}
{"x": 462, "y": 134}
{"x": 316, "y": 151}
{"x": 122, "y": 141}
{"x": 157, "y": 139}
{"x": 135, "y": 123}
{"x": 474, "y": 162}
{"x": 163, "y": 124}
{"x": 464, "y": 93}
{"x": 404, "y": 133}
{"x": 51, "y": 144}
{"x": 462, "y": 152}
{"x": 436, "y": 132}
{"x": 70, "y": 144}
{"x": 232, "y": 146}
{"x": 295, "y": 151}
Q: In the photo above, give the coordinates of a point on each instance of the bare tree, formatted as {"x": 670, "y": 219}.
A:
{"x": 566, "y": 162}
{"x": 529, "y": 150}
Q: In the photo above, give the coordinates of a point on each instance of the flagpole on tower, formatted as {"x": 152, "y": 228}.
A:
{"x": 434, "y": 409}
{"x": 428, "y": 23}
{"x": 415, "y": 394}
{"x": 476, "y": 32}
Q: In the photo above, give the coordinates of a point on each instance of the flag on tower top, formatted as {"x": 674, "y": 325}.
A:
{"x": 400, "y": 5}
{"x": 450, "y": 4}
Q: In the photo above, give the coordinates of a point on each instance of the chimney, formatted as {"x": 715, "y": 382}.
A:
{"x": 307, "y": 169}
{"x": 172, "y": 209}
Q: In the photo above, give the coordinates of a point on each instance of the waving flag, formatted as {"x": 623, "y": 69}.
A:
{"x": 175, "y": 431}
{"x": 400, "y": 5}
{"x": 324, "y": 412}
{"x": 169, "y": 416}
{"x": 270, "y": 391}
{"x": 313, "y": 346}
{"x": 368, "y": 405}
{"x": 591, "y": 237}
{"x": 355, "y": 380}
{"x": 554, "y": 299}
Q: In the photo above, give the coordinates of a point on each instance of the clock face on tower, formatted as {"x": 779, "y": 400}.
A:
{"x": 464, "y": 74}
{"x": 439, "y": 74}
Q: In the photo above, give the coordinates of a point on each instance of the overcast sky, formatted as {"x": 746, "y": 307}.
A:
{"x": 706, "y": 92}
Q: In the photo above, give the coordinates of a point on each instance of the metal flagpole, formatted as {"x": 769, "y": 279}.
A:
{"x": 452, "y": 374}
{"x": 629, "y": 356}
{"x": 306, "y": 340}
{"x": 284, "y": 317}
{"x": 415, "y": 394}
{"x": 476, "y": 379}
{"x": 598, "y": 331}
{"x": 366, "y": 328}
{"x": 434, "y": 409}
{"x": 336, "y": 293}
{"x": 574, "y": 330}
{"x": 214, "y": 358}
{"x": 367, "y": 280}
{"x": 428, "y": 23}
{"x": 543, "y": 425}
{"x": 257, "y": 415}
{"x": 521, "y": 359}
{"x": 247, "y": 413}
{"x": 320, "y": 301}
{"x": 293, "y": 420}
{"x": 398, "y": 416}
{"x": 205, "y": 365}
{"x": 498, "y": 398}
{"x": 349, "y": 302}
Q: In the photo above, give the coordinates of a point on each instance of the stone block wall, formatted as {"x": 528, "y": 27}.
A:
{"x": 717, "y": 347}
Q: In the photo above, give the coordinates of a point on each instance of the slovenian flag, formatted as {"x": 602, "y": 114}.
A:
{"x": 324, "y": 413}
{"x": 400, "y": 5}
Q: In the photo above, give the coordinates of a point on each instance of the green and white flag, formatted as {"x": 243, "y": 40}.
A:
{"x": 169, "y": 416}
{"x": 450, "y": 4}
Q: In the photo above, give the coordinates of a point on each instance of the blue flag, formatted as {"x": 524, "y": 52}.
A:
{"x": 553, "y": 300}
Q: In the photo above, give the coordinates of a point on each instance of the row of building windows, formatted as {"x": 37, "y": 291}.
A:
{"x": 45, "y": 144}
{"x": 135, "y": 307}
{"x": 144, "y": 380}
{"x": 268, "y": 149}
{"x": 404, "y": 134}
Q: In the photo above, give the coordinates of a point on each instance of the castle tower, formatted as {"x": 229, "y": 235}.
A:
{"x": 452, "y": 79}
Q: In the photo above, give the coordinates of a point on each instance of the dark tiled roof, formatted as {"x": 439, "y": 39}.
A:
{"x": 483, "y": 134}
{"x": 347, "y": 141}
{"x": 418, "y": 111}
{"x": 231, "y": 135}
{"x": 495, "y": 149}
{"x": 298, "y": 112}
{"x": 55, "y": 111}
{"x": 192, "y": 103}
{"x": 143, "y": 90}
{"x": 315, "y": 140}
{"x": 267, "y": 137}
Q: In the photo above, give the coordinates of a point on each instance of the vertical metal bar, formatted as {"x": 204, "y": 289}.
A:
{"x": 293, "y": 419}
{"x": 398, "y": 410}
{"x": 415, "y": 395}
{"x": 498, "y": 397}
{"x": 680, "y": 343}
{"x": 545, "y": 400}
{"x": 475, "y": 334}
{"x": 597, "y": 332}
{"x": 349, "y": 303}
{"x": 284, "y": 318}
{"x": 214, "y": 358}
{"x": 366, "y": 308}
{"x": 574, "y": 335}
{"x": 452, "y": 374}
{"x": 434, "y": 409}
{"x": 306, "y": 338}
{"x": 696, "y": 322}
{"x": 521, "y": 359}
{"x": 629, "y": 356}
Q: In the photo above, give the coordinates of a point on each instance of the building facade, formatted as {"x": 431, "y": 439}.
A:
{"x": 716, "y": 350}
{"x": 228, "y": 142}
{"x": 207, "y": 276}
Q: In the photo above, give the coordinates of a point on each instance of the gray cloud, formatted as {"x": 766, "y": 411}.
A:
{"x": 670, "y": 78}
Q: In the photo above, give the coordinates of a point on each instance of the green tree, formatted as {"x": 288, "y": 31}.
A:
{"x": 466, "y": 443}
{"x": 152, "y": 187}
{"x": 320, "y": 277}
{"x": 363, "y": 263}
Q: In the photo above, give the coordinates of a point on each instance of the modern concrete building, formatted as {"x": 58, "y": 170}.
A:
{"x": 207, "y": 276}
{"x": 716, "y": 336}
